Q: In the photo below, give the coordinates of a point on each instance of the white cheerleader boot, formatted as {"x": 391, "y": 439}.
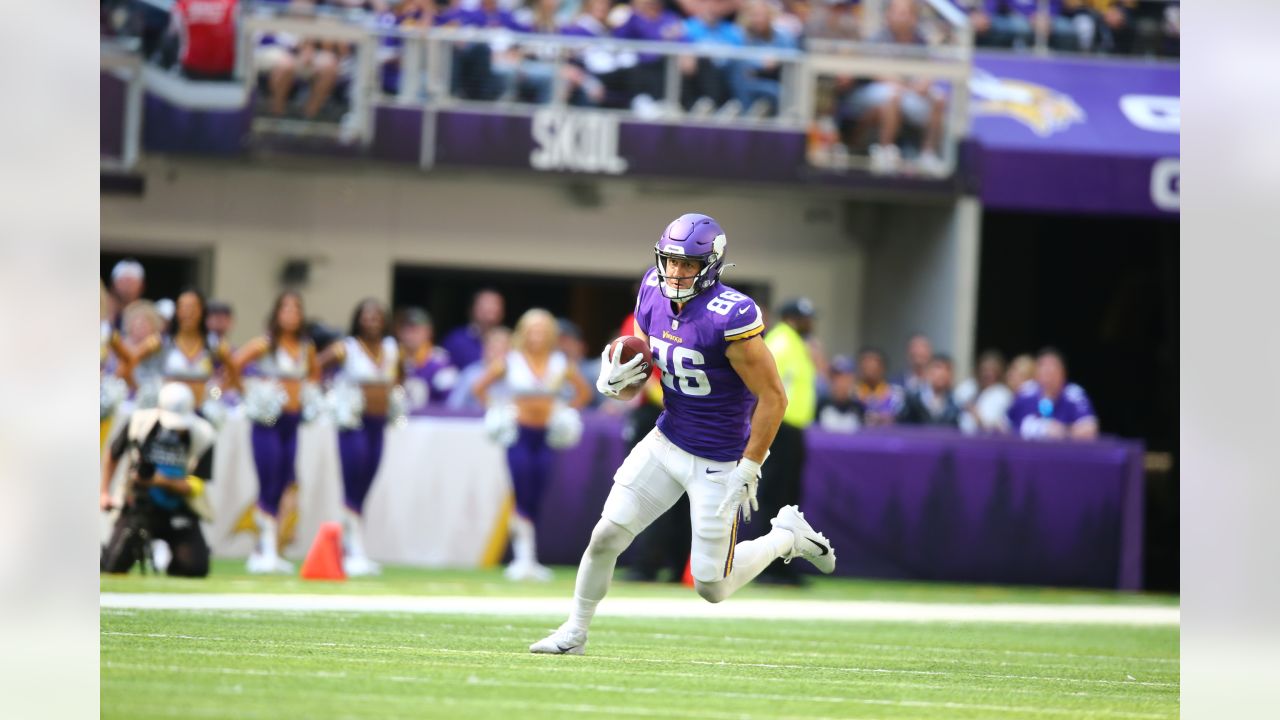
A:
{"x": 524, "y": 564}
{"x": 266, "y": 559}
{"x": 355, "y": 563}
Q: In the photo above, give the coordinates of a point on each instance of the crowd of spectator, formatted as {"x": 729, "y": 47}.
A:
{"x": 1028, "y": 395}
{"x": 1029, "y": 398}
{"x": 308, "y": 77}
{"x": 1118, "y": 27}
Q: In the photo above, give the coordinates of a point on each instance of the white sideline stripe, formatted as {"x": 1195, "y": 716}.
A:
{"x": 857, "y": 611}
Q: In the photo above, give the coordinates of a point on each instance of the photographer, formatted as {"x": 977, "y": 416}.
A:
{"x": 169, "y": 451}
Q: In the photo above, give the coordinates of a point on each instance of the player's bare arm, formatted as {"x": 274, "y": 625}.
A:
{"x": 753, "y": 362}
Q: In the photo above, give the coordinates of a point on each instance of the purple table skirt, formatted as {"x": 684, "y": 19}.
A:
{"x": 922, "y": 505}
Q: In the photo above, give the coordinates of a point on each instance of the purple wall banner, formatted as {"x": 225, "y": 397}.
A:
{"x": 923, "y": 505}
{"x": 600, "y": 143}
{"x": 1087, "y": 135}
{"x": 169, "y": 127}
{"x": 397, "y": 134}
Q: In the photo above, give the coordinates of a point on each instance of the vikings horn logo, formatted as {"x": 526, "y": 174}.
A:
{"x": 1043, "y": 109}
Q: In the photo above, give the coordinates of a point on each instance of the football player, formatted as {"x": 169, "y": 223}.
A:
{"x": 723, "y": 403}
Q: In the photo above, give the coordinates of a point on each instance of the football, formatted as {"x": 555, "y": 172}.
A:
{"x": 632, "y": 346}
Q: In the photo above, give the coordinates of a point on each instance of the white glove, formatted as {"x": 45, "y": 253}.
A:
{"x": 740, "y": 490}
{"x": 616, "y": 376}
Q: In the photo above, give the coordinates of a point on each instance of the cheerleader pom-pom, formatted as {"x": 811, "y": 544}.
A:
{"x": 148, "y": 395}
{"x": 398, "y": 407}
{"x": 565, "y": 430}
{"x": 264, "y": 401}
{"x": 215, "y": 412}
{"x": 313, "y": 403}
{"x": 111, "y": 392}
{"x": 346, "y": 405}
{"x": 213, "y": 409}
{"x": 500, "y": 424}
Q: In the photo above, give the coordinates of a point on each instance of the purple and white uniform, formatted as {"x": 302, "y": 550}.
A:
{"x": 1031, "y": 410}
{"x": 695, "y": 325}
{"x": 431, "y": 382}
{"x": 275, "y": 446}
{"x": 708, "y": 407}
{"x": 705, "y": 424}
{"x": 360, "y": 449}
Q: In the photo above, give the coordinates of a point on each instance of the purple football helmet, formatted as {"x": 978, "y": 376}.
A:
{"x": 691, "y": 237}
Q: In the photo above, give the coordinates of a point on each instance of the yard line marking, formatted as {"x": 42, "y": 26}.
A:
{"x": 474, "y": 680}
{"x": 855, "y": 611}
{"x": 523, "y": 662}
{"x": 529, "y": 658}
{"x": 719, "y": 639}
{"x": 1073, "y": 712}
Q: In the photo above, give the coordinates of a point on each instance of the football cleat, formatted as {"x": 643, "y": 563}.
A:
{"x": 809, "y": 543}
{"x": 564, "y": 641}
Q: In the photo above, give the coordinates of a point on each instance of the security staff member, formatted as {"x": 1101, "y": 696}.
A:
{"x": 782, "y": 475}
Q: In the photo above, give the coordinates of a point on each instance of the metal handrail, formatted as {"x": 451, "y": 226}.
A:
{"x": 425, "y": 59}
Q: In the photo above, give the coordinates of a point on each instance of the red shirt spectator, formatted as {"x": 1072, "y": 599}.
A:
{"x": 208, "y": 32}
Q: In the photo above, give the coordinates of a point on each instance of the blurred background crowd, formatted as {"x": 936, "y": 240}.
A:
{"x": 198, "y": 39}
{"x": 1026, "y": 395}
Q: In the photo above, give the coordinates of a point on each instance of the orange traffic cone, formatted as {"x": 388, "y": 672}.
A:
{"x": 324, "y": 560}
{"x": 688, "y": 573}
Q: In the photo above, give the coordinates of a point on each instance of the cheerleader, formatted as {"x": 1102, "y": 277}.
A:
{"x": 286, "y": 379}
{"x": 138, "y": 363}
{"x": 184, "y": 355}
{"x": 361, "y": 398}
{"x": 534, "y": 372}
{"x": 112, "y": 389}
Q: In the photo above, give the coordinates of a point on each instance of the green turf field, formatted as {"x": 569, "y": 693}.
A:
{"x": 247, "y": 664}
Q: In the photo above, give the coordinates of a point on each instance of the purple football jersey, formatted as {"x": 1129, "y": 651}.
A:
{"x": 1031, "y": 406}
{"x": 429, "y": 383}
{"x": 707, "y": 406}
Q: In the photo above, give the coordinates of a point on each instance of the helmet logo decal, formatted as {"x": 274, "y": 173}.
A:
{"x": 717, "y": 245}
{"x": 673, "y": 249}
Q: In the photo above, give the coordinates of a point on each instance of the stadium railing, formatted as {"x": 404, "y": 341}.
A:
{"x": 428, "y": 59}
{"x": 430, "y": 76}
{"x": 121, "y": 59}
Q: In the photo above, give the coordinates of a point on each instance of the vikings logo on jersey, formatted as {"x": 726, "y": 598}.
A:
{"x": 707, "y": 406}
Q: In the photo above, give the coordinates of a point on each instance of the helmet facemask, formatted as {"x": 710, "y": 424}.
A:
{"x": 706, "y": 276}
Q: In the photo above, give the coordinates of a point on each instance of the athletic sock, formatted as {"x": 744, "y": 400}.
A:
{"x": 751, "y": 557}
{"x": 595, "y": 573}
